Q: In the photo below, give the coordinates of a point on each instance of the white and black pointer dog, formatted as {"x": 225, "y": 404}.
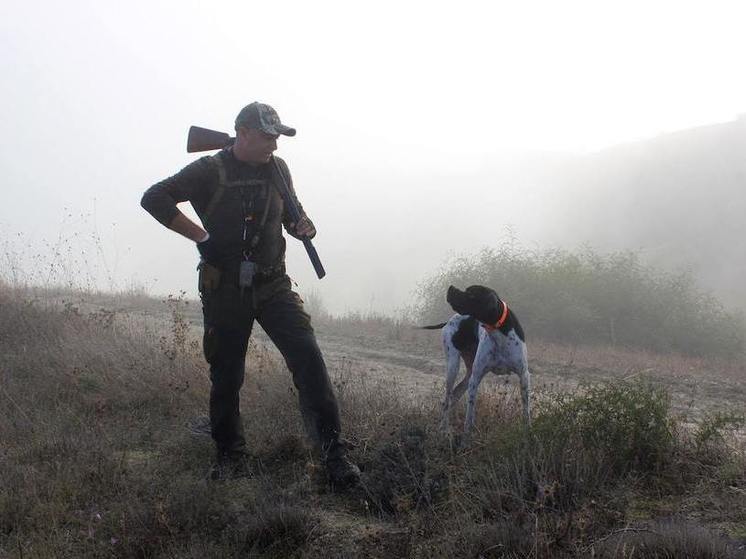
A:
{"x": 486, "y": 334}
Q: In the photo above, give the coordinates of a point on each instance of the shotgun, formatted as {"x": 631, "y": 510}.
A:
{"x": 204, "y": 139}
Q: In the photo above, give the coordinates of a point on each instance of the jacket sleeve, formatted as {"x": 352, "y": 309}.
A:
{"x": 160, "y": 199}
{"x": 287, "y": 220}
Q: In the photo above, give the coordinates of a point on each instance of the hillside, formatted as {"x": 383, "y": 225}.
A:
{"x": 680, "y": 198}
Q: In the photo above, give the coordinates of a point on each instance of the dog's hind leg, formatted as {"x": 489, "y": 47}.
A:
{"x": 461, "y": 387}
{"x": 453, "y": 361}
{"x": 479, "y": 369}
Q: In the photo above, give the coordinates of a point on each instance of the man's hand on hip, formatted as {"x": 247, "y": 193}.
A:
{"x": 208, "y": 249}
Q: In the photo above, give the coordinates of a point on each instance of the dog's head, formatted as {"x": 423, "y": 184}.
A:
{"x": 478, "y": 301}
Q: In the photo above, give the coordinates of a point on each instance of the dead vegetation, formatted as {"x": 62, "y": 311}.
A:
{"x": 96, "y": 460}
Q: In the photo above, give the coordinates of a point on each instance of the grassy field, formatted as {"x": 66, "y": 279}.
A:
{"x": 96, "y": 461}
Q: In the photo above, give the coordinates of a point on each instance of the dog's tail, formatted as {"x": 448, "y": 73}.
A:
{"x": 432, "y": 326}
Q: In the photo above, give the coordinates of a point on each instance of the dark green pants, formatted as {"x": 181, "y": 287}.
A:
{"x": 229, "y": 316}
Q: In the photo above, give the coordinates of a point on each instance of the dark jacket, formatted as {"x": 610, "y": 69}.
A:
{"x": 236, "y": 217}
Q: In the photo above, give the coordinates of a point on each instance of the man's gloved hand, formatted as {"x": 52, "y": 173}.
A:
{"x": 208, "y": 250}
{"x": 304, "y": 229}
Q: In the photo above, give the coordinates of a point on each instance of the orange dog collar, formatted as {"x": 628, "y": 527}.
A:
{"x": 501, "y": 320}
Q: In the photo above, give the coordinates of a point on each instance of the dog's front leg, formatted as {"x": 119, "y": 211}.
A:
{"x": 452, "y": 366}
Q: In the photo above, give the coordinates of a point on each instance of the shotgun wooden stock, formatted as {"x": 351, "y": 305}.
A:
{"x": 204, "y": 139}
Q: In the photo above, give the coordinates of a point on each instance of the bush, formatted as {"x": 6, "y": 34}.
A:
{"x": 627, "y": 424}
{"x": 581, "y": 446}
{"x": 588, "y": 297}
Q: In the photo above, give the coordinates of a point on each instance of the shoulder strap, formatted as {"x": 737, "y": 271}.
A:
{"x": 217, "y": 159}
{"x": 263, "y": 222}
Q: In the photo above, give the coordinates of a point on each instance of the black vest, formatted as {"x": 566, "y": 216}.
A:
{"x": 245, "y": 213}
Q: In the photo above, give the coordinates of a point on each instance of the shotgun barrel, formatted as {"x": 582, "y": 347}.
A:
{"x": 295, "y": 216}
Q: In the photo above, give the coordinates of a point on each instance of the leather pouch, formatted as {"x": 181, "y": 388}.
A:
{"x": 246, "y": 273}
{"x": 209, "y": 278}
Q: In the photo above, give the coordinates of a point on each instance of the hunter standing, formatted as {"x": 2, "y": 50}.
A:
{"x": 242, "y": 278}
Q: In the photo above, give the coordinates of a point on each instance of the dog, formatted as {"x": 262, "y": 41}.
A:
{"x": 486, "y": 334}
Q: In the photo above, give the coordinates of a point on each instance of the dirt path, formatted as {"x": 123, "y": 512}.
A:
{"x": 697, "y": 387}
{"x": 412, "y": 360}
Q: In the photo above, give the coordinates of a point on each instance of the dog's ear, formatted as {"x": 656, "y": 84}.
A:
{"x": 458, "y": 300}
{"x": 451, "y": 295}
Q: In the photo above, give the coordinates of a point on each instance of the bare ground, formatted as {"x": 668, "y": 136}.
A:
{"x": 415, "y": 362}
{"x": 402, "y": 355}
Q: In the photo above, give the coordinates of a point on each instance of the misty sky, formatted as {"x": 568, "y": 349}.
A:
{"x": 399, "y": 107}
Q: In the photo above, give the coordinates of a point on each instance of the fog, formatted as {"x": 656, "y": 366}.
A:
{"x": 424, "y": 131}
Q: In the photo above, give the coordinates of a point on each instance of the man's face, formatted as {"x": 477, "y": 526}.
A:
{"x": 254, "y": 145}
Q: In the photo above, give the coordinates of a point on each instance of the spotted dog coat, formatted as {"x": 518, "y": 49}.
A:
{"x": 486, "y": 334}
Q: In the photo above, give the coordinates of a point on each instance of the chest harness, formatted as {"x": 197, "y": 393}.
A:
{"x": 247, "y": 204}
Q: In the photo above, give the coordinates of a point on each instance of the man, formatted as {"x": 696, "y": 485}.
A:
{"x": 242, "y": 278}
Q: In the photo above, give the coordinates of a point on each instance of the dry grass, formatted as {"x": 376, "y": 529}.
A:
{"x": 96, "y": 460}
{"x": 626, "y": 361}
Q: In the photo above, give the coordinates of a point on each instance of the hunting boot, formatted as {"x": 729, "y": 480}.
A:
{"x": 342, "y": 471}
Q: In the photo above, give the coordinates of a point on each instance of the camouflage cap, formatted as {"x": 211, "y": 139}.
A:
{"x": 262, "y": 117}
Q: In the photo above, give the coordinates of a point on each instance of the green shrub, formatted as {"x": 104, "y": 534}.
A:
{"x": 626, "y": 423}
{"x": 580, "y": 448}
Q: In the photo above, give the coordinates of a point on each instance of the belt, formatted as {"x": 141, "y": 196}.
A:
{"x": 265, "y": 274}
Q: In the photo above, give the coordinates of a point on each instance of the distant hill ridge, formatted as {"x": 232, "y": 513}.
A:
{"x": 680, "y": 198}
